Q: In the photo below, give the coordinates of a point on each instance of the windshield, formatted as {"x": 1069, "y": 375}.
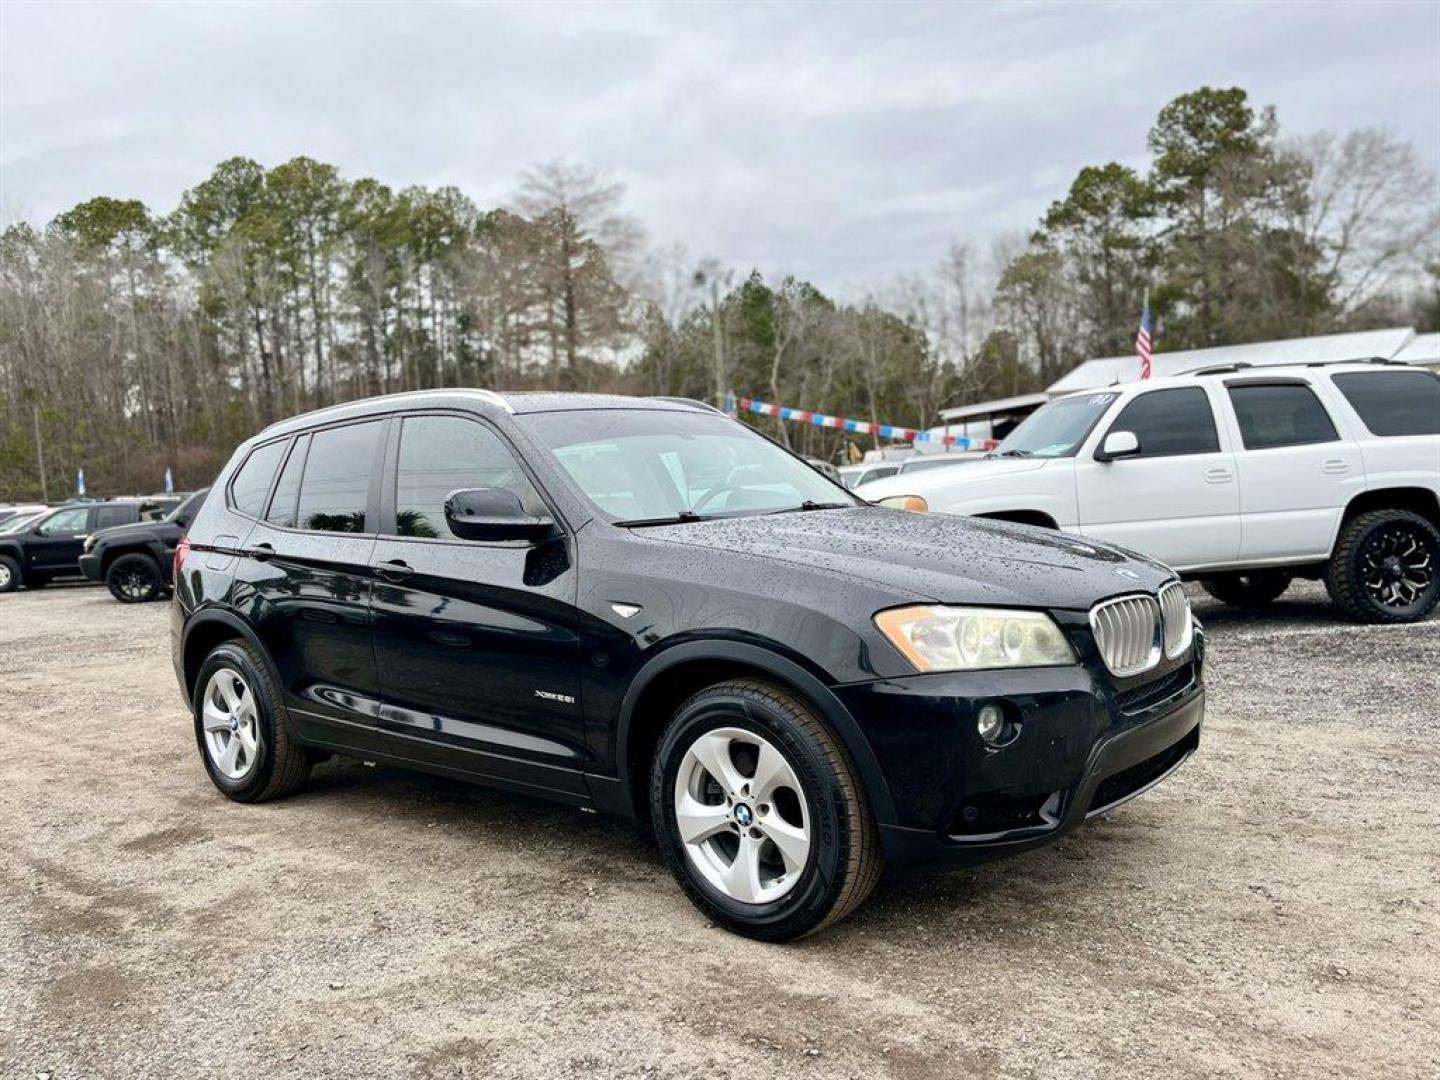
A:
{"x": 654, "y": 466}
{"x": 1057, "y": 429}
{"x": 18, "y": 522}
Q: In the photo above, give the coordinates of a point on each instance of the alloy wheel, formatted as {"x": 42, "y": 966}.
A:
{"x": 742, "y": 816}
{"x": 231, "y": 724}
{"x": 5, "y": 579}
{"x": 1398, "y": 565}
{"x": 136, "y": 584}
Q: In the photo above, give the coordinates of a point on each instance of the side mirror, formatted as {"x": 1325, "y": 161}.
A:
{"x": 1118, "y": 444}
{"x": 493, "y": 514}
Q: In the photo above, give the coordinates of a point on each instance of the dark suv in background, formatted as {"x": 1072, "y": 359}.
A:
{"x": 50, "y": 545}
{"x": 134, "y": 561}
{"x": 645, "y": 607}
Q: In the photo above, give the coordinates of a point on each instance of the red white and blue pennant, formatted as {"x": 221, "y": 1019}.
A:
{"x": 860, "y": 427}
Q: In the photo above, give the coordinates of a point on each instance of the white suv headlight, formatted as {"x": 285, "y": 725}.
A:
{"x": 937, "y": 638}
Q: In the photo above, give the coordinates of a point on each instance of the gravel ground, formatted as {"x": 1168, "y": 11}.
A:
{"x": 1270, "y": 911}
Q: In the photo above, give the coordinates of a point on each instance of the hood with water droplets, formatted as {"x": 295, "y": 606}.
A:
{"x": 940, "y": 558}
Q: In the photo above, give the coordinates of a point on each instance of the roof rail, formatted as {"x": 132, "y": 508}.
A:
{"x": 685, "y": 401}
{"x": 494, "y": 398}
{"x": 1222, "y": 369}
{"x": 1366, "y": 360}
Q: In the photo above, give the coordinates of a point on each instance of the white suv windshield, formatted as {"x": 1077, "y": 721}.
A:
{"x": 1057, "y": 429}
{"x": 654, "y": 466}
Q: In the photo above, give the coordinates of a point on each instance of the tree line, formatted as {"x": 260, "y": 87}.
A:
{"x": 131, "y": 340}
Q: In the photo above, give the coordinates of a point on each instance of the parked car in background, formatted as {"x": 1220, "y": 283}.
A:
{"x": 11, "y": 512}
{"x": 134, "y": 560}
{"x": 49, "y": 545}
{"x": 1242, "y": 478}
{"x": 926, "y": 462}
{"x": 824, "y": 467}
{"x": 646, "y": 607}
{"x": 852, "y": 476}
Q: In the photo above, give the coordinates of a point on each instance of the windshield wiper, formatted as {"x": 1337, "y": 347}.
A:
{"x": 810, "y": 504}
{"x": 684, "y": 517}
{"x": 1015, "y": 453}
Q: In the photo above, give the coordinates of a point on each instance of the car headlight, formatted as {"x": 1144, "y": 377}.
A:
{"x": 937, "y": 638}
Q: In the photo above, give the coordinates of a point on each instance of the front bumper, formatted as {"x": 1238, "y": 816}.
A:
{"x": 1085, "y": 745}
{"x": 90, "y": 565}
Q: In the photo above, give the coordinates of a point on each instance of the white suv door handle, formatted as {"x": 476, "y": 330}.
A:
{"x": 1335, "y": 466}
{"x": 1219, "y": 476}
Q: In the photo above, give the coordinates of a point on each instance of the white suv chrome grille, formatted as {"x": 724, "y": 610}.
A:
{"x": 1127, "y": 630}
{"x": 1175, "y": 617}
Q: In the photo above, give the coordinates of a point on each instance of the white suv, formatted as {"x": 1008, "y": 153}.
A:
{"x": 1243, "y": 478}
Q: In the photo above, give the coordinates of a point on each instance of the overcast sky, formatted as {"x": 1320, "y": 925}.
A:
{"x": 846, "y": 143}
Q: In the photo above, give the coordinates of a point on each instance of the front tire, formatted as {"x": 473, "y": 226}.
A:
{"x": 1386, "y": 568}
{"x": 1248, "y": 590}
{"x": 240, "y": 727}
{"x": 10, "y": 576}
{"x": 761, "y": 814}
{"x": 134, "y": 579}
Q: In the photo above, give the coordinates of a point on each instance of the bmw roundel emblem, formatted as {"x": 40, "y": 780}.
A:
{"x": 743, "y": 814}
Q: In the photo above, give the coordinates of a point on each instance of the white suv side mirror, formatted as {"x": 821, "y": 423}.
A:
{"x": 1118, "y": 444}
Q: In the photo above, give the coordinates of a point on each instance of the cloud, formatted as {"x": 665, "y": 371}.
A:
{"x": 846, "y": 144}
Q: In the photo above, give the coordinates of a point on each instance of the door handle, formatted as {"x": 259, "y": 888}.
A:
{"x": 1335, "y": 467}
{"x": 1219, "y": 476}
{"x": 394, "y": 570}
{"x": 262, "y": 552}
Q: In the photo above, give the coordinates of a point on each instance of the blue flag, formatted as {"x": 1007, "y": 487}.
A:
{"x": 169, "y": 481}
{"x": 80, "y": 481}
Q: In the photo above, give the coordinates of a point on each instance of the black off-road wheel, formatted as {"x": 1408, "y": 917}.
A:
{"x": 1386, "y": 567}
{"x": 241, "y": 729}
{"x": 10, "y": 577}
{"x": 1252, "y": 589}
{"x": 134, "y": 579}
{"x": 761, "y": 814}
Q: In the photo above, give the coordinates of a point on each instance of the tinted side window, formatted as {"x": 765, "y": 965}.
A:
{"x": 66, "y": 522}
{"x": 1394, "y": 402}
{"x": 252, "y": 482}
{"x": 1280, "y": 415}
{"x": 336, "y": 485}
{"x": 441, "y": 454}
{"x": 105, "y": 516}
{"x": 287, "y": 491}
{"x": 1170, "y": 422}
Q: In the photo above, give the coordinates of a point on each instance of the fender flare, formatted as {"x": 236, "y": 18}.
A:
{"x": 788, "y": 671}
{"x": 218, "y": 616}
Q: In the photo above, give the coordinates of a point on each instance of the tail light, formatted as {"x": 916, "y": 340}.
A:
{"x": 181, "y": 550}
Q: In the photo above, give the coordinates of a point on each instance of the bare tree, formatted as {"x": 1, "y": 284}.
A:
{"x": 1373, "y": 211}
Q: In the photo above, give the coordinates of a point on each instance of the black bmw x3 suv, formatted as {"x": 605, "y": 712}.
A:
{"x": 645, "y": 607}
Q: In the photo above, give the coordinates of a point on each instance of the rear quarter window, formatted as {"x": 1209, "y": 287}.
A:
{"x": 252, "y": 480}
{"x": 1392, "y": 403}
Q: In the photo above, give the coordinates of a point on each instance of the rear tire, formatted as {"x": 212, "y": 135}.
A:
{"x": 134, "y": 579}
{"x": 1386, "y": 567}
{"x": 1253, "y": 589}
{"x": 242, "y": 730}
{"x": 789, "y": 802}
{"x": 9, "y": 574}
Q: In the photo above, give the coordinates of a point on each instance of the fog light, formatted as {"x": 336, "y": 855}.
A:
{"x": 990, "y": 723}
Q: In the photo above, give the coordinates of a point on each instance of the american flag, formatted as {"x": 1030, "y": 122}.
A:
{"x": 1142, "y": 340}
